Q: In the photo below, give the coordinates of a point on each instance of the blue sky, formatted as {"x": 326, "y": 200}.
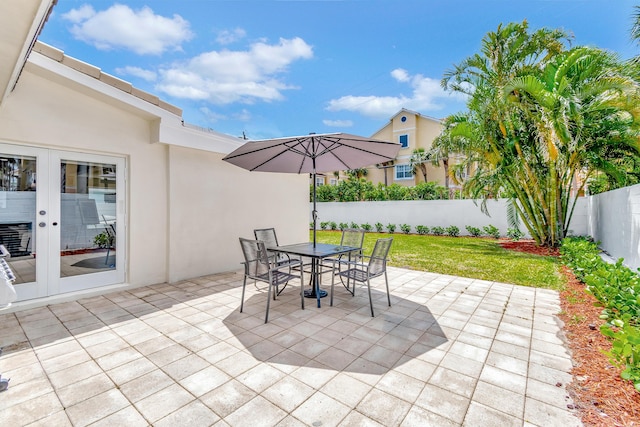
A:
{"x": 280, "y": 68}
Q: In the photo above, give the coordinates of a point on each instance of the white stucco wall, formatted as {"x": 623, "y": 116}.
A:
{"x": 614, "y": 221}
{"x": 213, "y": 202}
{"x": 432, "y": 213}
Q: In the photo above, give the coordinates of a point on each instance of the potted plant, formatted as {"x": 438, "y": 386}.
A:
{"x": 103, "y": 240}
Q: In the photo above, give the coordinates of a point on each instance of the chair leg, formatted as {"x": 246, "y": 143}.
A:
{"x": 266, "y": 316}
{"x": 301, "y": 288}
{"x": 353, "y": 288}
{"x": 280, "y": 291}
{"x": 386, "y": 280}
{"x": 244, "y": 284}
{"x": 333, "y": 281}
{"x": 347, "y": 284}
{"x": 370, "y": 300}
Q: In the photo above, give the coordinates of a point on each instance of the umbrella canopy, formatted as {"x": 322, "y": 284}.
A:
{"x": 313, "y": 153}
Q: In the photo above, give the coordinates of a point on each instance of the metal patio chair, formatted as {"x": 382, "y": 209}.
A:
{"x": 260, "y": 266}
{"x": 362, "y": 272}
{"x": 268, "y": 236}
{"x": 350, "y": 237}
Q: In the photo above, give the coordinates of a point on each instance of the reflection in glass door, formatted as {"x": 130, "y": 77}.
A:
{"x": 89, "y": 199}
{"x": 18, "y": 214}
{"x": 88, "y": 194}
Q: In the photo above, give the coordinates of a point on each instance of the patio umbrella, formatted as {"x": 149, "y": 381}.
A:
{"x": 313, "y": 154}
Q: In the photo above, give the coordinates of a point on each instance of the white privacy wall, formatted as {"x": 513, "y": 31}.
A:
{"x": 614, "y": 220}
{"x": 433, "y": 213}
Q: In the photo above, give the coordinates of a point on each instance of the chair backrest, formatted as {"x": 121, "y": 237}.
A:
{"x": 378, "y": 260}
{"x": 255, "y": 257}
{"x": 267, "y": 235}
{"x": 351, "y": 237}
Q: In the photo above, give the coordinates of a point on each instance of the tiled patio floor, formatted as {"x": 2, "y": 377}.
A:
{"x": 450, "y": 351}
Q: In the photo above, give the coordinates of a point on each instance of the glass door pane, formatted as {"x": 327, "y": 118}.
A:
{"x": 18, "y": 214}
{"x": 88, "y": 194}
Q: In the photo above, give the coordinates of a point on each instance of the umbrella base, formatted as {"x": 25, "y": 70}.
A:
{"x": 310, "y": 293}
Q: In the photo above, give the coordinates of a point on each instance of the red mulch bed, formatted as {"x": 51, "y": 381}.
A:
{"x": 601, "y": 397}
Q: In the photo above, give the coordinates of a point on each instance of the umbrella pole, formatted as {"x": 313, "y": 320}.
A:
{"x": 314, "y": 213}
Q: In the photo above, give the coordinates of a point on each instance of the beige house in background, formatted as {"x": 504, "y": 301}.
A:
{"x": 412, "y": 130}
{"x": 84, "y": 153}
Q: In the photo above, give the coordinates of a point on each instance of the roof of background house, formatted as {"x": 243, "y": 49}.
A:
{"x": 407, "y": 111}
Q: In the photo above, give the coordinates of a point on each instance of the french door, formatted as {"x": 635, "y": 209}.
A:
{"x": 62, "y": 219}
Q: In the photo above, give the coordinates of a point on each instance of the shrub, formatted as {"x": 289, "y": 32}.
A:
{"x": 473, "y": 231}
{"x": 406, "y": 228}
{"x": 428, "y": 191}
{"x": 492, "y": 231}
{"x": 366, "y": 226}
{"x": 453, "y": 231}
{"x": 617, "y": 288}
{"x": 324, "y": 193}
{"x": 398, "y": 192}
{"x": 422, "y": 229}
{"x": 438, "y": 231}
{"x": 343, "y": 226}
{"x": 514, "y": 234}
{"x": 391, "y": 228}
{"x": 354, "y": 189}
{"x": 324, "y": 225}
{"x": 333, "y": 225}
{"x": 379, "y": 227}
{"x": 354, "y": 225}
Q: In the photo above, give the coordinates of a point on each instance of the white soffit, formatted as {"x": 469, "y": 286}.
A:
{"x": 20, "y": 24}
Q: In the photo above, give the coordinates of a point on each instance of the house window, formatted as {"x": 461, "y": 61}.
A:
{"x": 319, "y": 180}
{"x": 403, "y": 172}
{"x": 404, "y": 140}
{"x": 333, "y": 181}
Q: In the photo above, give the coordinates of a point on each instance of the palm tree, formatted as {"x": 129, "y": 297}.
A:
{"x": 538, "y": 115}
{"x": 418, "y": 161}
{"x": 583, "y": 117}
{"x": 443, "y": 146}
{"x": 358, "y": 173}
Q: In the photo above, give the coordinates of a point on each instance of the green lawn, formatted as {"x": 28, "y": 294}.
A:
{"x": 464, "y": 256}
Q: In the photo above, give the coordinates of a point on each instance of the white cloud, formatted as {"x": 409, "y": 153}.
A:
{"x": 230, "y": 36}
{"x": 225, "y": 76}
{"x": 147, "y": 75}
{"x": 76, "y": 16}
{"x": 426, "y": 95}
{"x": 338, "y": 123}
{"x": 120, "y": 27}
{"x": 400, "y": 75}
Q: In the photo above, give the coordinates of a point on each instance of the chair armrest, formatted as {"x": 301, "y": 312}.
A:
{"x": 352, "y": 263}
{"x": 287, "y": 264}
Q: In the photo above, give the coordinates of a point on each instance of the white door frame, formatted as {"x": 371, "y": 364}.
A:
{"x": 48, "y": 219}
